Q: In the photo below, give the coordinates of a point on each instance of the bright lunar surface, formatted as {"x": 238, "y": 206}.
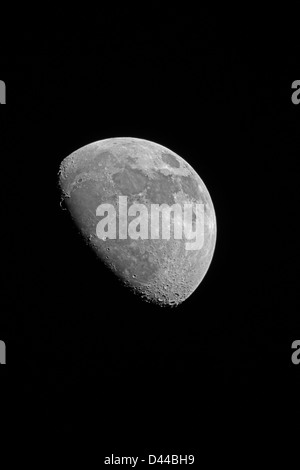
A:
{"x": 160, "y": 270}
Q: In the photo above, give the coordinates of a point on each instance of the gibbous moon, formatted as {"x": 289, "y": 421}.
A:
{"x": 113, "y": 187}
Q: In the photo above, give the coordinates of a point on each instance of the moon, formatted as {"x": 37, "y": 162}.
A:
{"x": 159, "y": 270}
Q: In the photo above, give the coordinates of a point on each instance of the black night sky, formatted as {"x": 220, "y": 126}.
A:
{"x": 83, "y": 350}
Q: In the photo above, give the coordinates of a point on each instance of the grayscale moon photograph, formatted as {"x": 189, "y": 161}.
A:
{"x": 150, "y": 260}
{"x": 161, "y": 271}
